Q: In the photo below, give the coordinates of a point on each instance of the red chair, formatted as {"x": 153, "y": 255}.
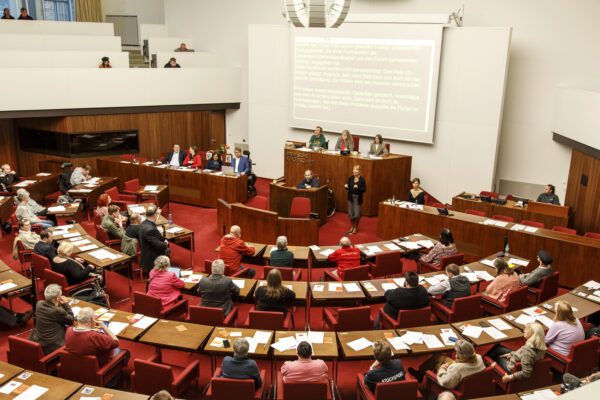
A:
{"x": 127, "y": 157}
{"x": 581, "y": 361}
{"x": 493, "y": 195}
{"x": 405, "y": 390}
{"x": 259, "y": 202}
{"x": 15, "y": 224}
{"x": 96, "y": 218}
{"x": 360, "y": 273}
{"x": 406, "y": 318}
{"x": 437, "y": 205}
{"x": 509, "y": 197}
{"x": 212, "y": 316}
{"x": 141, "y": 159}
{"x": 52, "y": 198}
{"x": 386, "y": 264}
{"x": 564, "y": 230}
{"x": 348, "y": 319}
{"x": 29, "y": 355}
{"x": 300, "y": 207}
{"x": 302, "y": 390}
{"x": 475, "y": 212}
{"x": 238, "y": 274}
{"x": 547, "y": 289}
{"x": 516, "y": 299}
{"x": 131, "y": 187}
{"x": 540, "y": 377}
{"x": 151, "y": 376}
{"x": 152, "y": 306}
{"x": 592, "y": 235}
{"x": 24, "y": 255}
{"x": 535, "y": 224}
{"x": 287, "y": 274}
{"x": 477, "y": 385}
{"x": 102, "y": 236}
{"x": 122, "y": 200}
{"x": 268, "y": 320}
{"x": 39, "y": 264}
{"x": 424, "y": 267}
{"x": 463, "y": 309}
{"x": 356, "y": 141}
{"x": 86, "y": 370}
{"x": 51, "y": 277}
{"x": 503, "y": 218}
{"x": 239, "y": 389}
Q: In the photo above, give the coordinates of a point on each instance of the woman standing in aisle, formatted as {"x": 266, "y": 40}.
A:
{"x": 356, "y": 186}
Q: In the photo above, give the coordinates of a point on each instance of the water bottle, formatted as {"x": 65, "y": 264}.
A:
{"x": 134, "y": 159}
{"x": 170, "y": 220}
{"x": 506, "y": 247}
{"x": 393, "y": 199}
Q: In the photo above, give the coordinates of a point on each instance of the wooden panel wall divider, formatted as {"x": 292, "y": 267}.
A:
{"x": 583, "y": 192}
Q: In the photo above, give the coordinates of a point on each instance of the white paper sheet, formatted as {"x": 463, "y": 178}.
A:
{"x": 57, "y": 209}
{"x": 79, "y": 241}
{"x": 534, "y": 311}
{"x": 531, "y": 229}
{"x": 75, "y": 310}
{"x": 10, "y": 386}
{"x": 32, "y": 393}
{"x": 284, "y": 344}
{"x": 397, "y": 343}
{"x": 494, "y": 333}
{"x": 137, "y": 209}
{"x": 399, "y": 281}
{"x": 425, "y": 243}
{"x": 392, "y": 246}
{"x": 374, "y": 249}
{"x": 145, "y": 322}
{"x": 486, "y": 276}
{"x": 432, "y": 342}
{"x": 150, "y": 187}
{"x": 262, "y": 337}
{"x": 192, "y": 278}
{"x": 88, "y": 247}
{"x": 592, "y": 285}
{"x": 7, "y": 286}
{"x": 360, "y": 344}
{"x": 253, "y": 343}
{"x": 518, "y": 261}
{"x": 239, "y": 283}
{"x": 69, "y": 235}
{"x": 544, "y": 320}
{"x": 117, "y": 327}
{"x": 411, "y": 337}
{"x": 489, "y": 263}
{"x": 43, "y": 174}
{"x": 410, "y": 245}
{"x": 388, "y": 286}
{"x": 432, "y": 280}
{"x": 446, "y": 334}
{"x": 318, "y": 288}
{"x": 369, "y": 286}
{"x": 314, "y": 247}
{"x": 103, "y": 254}
{"x": 471, "y": 276}
{"x": 315, "y": 337}
{"x": 594, "y": 298}
{"x": 351, "y": 287}
{"x": 499, "y": 324}
{"x": 175, "y": 229}
{"x": 327, "y": 252}
{"x": 472, "y": 331}
{"x": 334, "y": 286}
{"x": 525, "y": 319}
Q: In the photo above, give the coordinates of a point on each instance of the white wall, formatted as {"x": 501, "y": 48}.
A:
{"x": 147, "y": 11}
{"x": 554, "y": 42}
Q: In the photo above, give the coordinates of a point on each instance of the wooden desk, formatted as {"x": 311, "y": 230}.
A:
{"x": 3, "y": 266}
{"x": 281, "y": 197}
{"x": 44, "y": 184}
{"x": 588, "y": 294}
{"x": 342, "y": 294}
{"x": 90, "y": 194}
{"x": 417, "y": 349}
{"x": 511, "y": 317}
{"x": 327, "y": 350}
{"x": 248, "y": 288}
{"x": 301, "y": 254}
{"x": 75, "y": 228}
{"x": 6, "y": 208}
{"x": 478, "y": 240}
{"x": 581, "y": 307}
{"x": 70, "y": 210}
{"x": 262, "y": 350}
{"x": 319, "y": 259}
{"x": 484, "y": 338}
{"x": 89, "y": 392}
{"x": 554, "y": 388}
{"x": 374, "y": 288}
{"x": 8, "y": 372}
{"x": 384, "y": 177}
{"x": 77, "y": 249}
{"x": 191, "y": 281}
{"x": 58, "y": 389}
{"x": 177, "y": 335}
{"x": 346, "y": 337}
{"x": 22, "y": 284}
{"x": 161, "y": 194}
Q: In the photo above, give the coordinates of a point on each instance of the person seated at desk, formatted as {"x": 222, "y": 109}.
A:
{"x": 105, "y": 63}
{"x": 216, "y": 290}
{"x": 533, "y": 350}
{"x": 174, "y": 158}
{"x": 506, "y": 280}
{"x": 80, "y": 175}
{"x": 52, "y": 315}
{"x": 345, "y": 141}
{"x": 129, "y": 242}
{"x": 73, "y": 269}
{"x": 172, "y": 63}
{"x": 240, "y": 164}
{"x": 347, "y": 256}
{"x": 34, "y": 206}
{"x": 7, "y": 177}
{"x": 162, "y": 395}
{"x": 566, "y": 329}
{"x": 304, "y": 369}
{"x": 451, "y": 372}
{"x": 163, "y": 283}
{"x": 318, "y": 139}
{"x": 233, "y": 248}
{"x": 309, "y": 181}
{"x": 193, "y": 159}
{"x": 113, "y": 223}
{"x": 544, "y": 270}
{"x": 378, "y": 148}
{"x": 274, "y": 296}
{"x": 548, "y": 196}
{"x": 416, "y": 194}
{"x": 384, "y": 369}
{"x": 410, "y": 297}
{"x": 456, "y": 286}
{"x": 282, "y": 257}
{"x": 6, "y": 14}
{"x": 240, "y": 366}
{"x": 444, "y": 247}
{"x": 215, "y": 162}
{"x": 26, "y": 236}
{"x": 24, "y": 211}
{"x": 46, "y": 247}
{"x": 25, "y": 15}
{"x": 182, "y": 48}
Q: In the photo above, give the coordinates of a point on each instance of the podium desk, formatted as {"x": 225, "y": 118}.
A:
{"x": 281, "y": 197}
{"x": 384, "y": 176}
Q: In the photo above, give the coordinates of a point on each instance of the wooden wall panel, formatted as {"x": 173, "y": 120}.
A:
{"x": 585, "y": 200}
{"x": 8, "y": 143}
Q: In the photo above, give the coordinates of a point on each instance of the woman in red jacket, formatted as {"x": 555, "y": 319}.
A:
{"x": 193, "y": 159}
{"x": 164, "y": 283}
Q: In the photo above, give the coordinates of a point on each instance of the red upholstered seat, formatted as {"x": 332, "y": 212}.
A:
{"x": 127, "y": 157}
{"x": 287, "y": 274}
{"x": 592, "y": 235}
{"x": 152, "y": 376}
{"x": 152, "y": 306}
{"x": 348, "y": 319}
{"x": 29, "y": 355}
{"x": 503, "y": 218}
{"x": 424, "y": 267}
{"x": 386, "y": 264}
{"x": 405, "y": 390}
{"x": 406, "y": 318}
{"x": 212, "y": 316}
{"x": 52, "y": 198}
{"x": 356, "y": 141}
{"x": 96, "y": 218}
{"x": 564, "y": 230}
{"x": 24, "y": 256}
{"x": 132, "y": 186}
{"x": 437, "y": 205}
{"x": 582, "y": 358}
{"x": 547, "y": 289}
{"x": 360, "y": 273}
{"x": 541, "y": 376}
{"x": 473, "y": 386}
{"x": 102, "y": 236}
{"x": 258, "y": 202}
{"x": 39, "y": 263}
{"x": 300, "y": 207}
{"x": 122, "y": 200}
{"x": 535, "y": 224}
{"x": 302, "y": 390}
{"x": 509, "y": 197}
{"x": 463, "y": 309}
{"x": 268, "y": 320}
{"x": 86, "y": 370}
{"x": 51, "y": 277}
{"x": 238, "y": 389}
{"x": 475, "y": 212}
{"x": 516, "y": 299}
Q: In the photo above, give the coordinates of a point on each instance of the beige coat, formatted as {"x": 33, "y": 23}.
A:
{"x": 378, "y": 149}
{"x": 452, "y": 376}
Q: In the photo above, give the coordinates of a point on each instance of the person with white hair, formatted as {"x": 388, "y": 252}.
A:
{"x": 163, "y": 283}
{"x": 52, "y": 316}
{"x": 24, "y": 211}
{"x": 91, "y": 337}
{"x": 34, "y": 206}
{"x": 447, "y": 395}
{"x": 233, "y": 248}
{"x": 282, "y": 257}
{"x": 240, "y": 366}
{"x": 217, "y": 289}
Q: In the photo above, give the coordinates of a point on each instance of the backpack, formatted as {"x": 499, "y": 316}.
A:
{"x": 94, "y": 294}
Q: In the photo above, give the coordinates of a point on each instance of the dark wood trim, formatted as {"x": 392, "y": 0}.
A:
{"x": 117, "y": 110}
{"x": 575, "y": 145}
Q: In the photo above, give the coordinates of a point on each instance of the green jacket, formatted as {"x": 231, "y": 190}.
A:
{"x": 114, "y": 231}
{"x": 314, "y": 141}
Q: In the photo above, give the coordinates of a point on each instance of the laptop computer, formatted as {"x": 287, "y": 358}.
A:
{"x": 176, "y": 271}
{"x": 228, "y": 170}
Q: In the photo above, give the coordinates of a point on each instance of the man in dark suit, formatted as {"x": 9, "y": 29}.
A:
{"x": 175, "y": 157}
{"x": 45, "y": 247}
{"x": 152, "y": 243}
{"x": 240, "y": 163}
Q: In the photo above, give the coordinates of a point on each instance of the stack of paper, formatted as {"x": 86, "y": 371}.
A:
{"x": 411, "y": 337}
{"x": 239, "y": 283}
{"x": 448, "y": 334}
{"x": 315, "y": 337}
{"x": 327, "y": 252}
{"x": 369, "y": 286}
{"x": 145, "y": 322}
{"x": 193, "y": 278}
{"x": 517, "y": 227}
{"x": 360, "y": 344}
{"x": 137, "y": 209}
{"x": 592, "y": 285}
{"x": 517, "y": 261}
{"x": 432, "y": 342}
{"x": 32, "y": 392}
{"x": 471, "y": 276}
{"x": 103, "y": 255}
{"x": 262, "y": 337}
{"x": 432, "y": 280}
{"x": 318, "y": 288}
{"x": 175, "y": 229}
{"x": 388, "y": 286}
{"x": 392, "y": 246}
{"x": 425, "y": 243}
{"x": 70, "y": 235}
{"x": 410, "y": 245}
{"x": 472, "y": 331}
{"x": 399, "y": 281}
{"x": 57, "y": 209}
{"x": 285, "y": 344}
{"x": 397, "y": 343}
{"x": 545, "y": 394}
{"x": 374, "y": 249}
{"x": 531, "y": 229}
{"x": 117, "y": 327}
{"x": 335, "y": 287}
{"x": 534, "y": 311}
{"x": 499, "y": 324}
{"x": 7, "y": 286}
{"x": 351, "y": 287}
{"x": 544, "y": 320}
{"x": 484, "y": 275}
{"x": 79, "y": 241}
{"x": 150, "y": 187}
{"x": 525, "y": 319}
{"x": 314, "y": 247}
{"x": 489, "y": 263}
{"x": 494, "y": 333}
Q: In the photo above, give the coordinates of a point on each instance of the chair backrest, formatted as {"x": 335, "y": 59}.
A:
{"x": 466, "y": 308}
{"x": 405, "y": 390}
{"x": 480, "y": 384}
{"x": 152, "y": 377}
{"x": 387, "y": 146}
{"x": 509, "y": 197}
{"x": 113, "y": 192}
{"x": 287, "y": 274}
{"x": 127, "y": 156}
{"x": 412, "y": 318}
{"x": 146, "y": 304}
{"x": 516, "y": 299}
{"x": 206, "y": 315}
{"x": 564, "y": 230}
{"x": 132, "y": 185}
{"x": 300, "y": 207}
{"x": 549, "y": 287}
{"x": 305, "y": 390}
{"x": 25, "y": 353}
{"x": 541, "y": 376}
{"x": 354, "y": 319}
{"x": 79, "y": 368}
{"x": 208, "y": 266}
{"x": 386, "y": 263}
{"x": 437, "y": 205}
{"x": 493, "y": 195}
{"x": 227, "y": 389}
{"x": 583, "y": 357}
{"x": 54, "y": 277}
{"x": 101, "y": 235}
{"x": 96, "y": 218}
{"x": 592, "y": 235}
{"x": 268, "y": 320}
{"x": 475, "y": 212}
{"x": 503, "y": 218}
{"x": 360, "y": 273}
{"x": 356, "y": 141}
{"x": 258, "y": 202}
{"x": 40, "y": 263}
{"x": 141, "y": 159}
{"x": 535, "y": 224}
{"x": 453, "y": 259}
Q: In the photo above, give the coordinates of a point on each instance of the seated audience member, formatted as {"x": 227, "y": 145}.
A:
{"x": 102, "y": 205}
{"x": 27, "y": 237}
{"x": 378, "y": 148}
{"x": 216, "y": 290}
{"x": 548, "y": 196}
{"x": 506, "y": 280}
{"x": 129, "y": 242}
{"x": 544, "y": 270}
{"x": 274, "y": 296}
{"x": 175, "y": 158}
{"x": 571, "y": 382}
{"x": 9, "y": 318}
{"x": 318, "y": 139}
{"x": 446, "y": 396}
{"x": 46, "y": 246}
{"x": 309, "y": 181}
{"x": 282, "y": 257}
{"x": 445, "y": 247}
{"x": 163, "y": 283}
{"x": 172, "y": 63}
{"x": 162, "y": 395}
{"x": 533, "y": 350}
{"x": 25, "y": 15}
{"x": 80, "y": 175}
{"x": 182, "y": 47}
{"x": 410, "y": 297}
{"x": 240, "y": 164}
{"x": 52, "y": 316}
{"x": 24, "y": 211}
{"x": 73, "y": 269}
{"x": 33, "y": 205}
{"x": 304, "y": 369}
{"x": 214, "y": 163}
{"x": 384, "y": 369}
{"x": 347, "y": 256}
{"x": 193, "y": 159}
{"x": 456, "y": 286}
{"x": 240, "y": 366}
{"x": 113, "y": 223}
{"x": 105, "y": 63}
{"x": 233, "y": 248}
{"x": 7, "y": 177}
{"x": 416, "y": 194}
{"x": 450, "y": 373}
{"x": 6, "y": 14}
{"x": 566, "y": 329}
{"x": 345, "y": 141}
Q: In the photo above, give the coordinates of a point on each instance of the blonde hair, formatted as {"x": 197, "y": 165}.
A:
{"x": 274, "y": 287}
{"x": 357, "y": 167}
{"x": 382, "y": 352}
{"x": 564, "y": 312}
{"x": 537, "y": 339}
{"x": 65, "y": 249}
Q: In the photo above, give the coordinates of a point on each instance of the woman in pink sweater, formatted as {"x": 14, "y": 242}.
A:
{"x": 506, "y": 280}
{"x": 164, "y": 283}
